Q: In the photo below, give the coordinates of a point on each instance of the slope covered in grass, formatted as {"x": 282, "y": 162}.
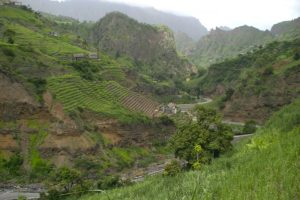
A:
{"x": 264, "y": 167}
{"x": 75, "y": 93}
{"x": 256, "y": 84}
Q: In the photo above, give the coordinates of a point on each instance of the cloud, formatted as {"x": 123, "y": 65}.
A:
{"x": 259, "y": 13}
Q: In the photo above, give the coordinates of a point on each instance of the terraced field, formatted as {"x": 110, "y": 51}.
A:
{"x": 106, "y": 97}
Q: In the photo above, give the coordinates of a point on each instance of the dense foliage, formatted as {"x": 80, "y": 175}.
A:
{"x": 209, "y": 132}
{"x": 263, "y": 167}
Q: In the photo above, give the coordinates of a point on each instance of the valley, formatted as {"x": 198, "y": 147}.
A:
{"x": 130, "y": 107}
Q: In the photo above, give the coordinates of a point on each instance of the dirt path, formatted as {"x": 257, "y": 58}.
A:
{"x": 11, "y": 195}
{"x": 237, "y": 138}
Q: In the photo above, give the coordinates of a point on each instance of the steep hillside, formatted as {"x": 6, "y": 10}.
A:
{"x": 263, "y": 167}
{"x": 287, "y": 30}
{"x": 220, "y": 44}
{"x": 223, "y": 43}
{"x": 153, "y": 48}
{"x": 255, "y": 84}
{"x": 184, "y": 44}
{"x": 94, "y": 10}
{"x": 61, "y": 107}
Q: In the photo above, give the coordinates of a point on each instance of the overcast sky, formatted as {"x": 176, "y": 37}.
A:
{"x": 211, "y": 13}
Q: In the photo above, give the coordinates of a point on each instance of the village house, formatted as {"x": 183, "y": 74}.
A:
{"x": 78, "y": 56}
{"x": 10, "y": 2}
{"x": 169, "y": 109}
{"x": 93, "y": 55}
{"x": 54, "y": 34}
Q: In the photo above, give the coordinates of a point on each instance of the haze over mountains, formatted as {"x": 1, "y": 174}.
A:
{"x": 91, "y": 10}
{"x": 220, "y": 44}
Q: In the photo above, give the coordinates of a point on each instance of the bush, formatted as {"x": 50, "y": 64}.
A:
{"x": 39, "y": 84}
{"x": 296, "y": 56}
{"x": 8, "y": 52}
{"x": 10, "y": 40}
{"x": 268, "y": 71}
{"x": 249, "y": 127}
{"x": 172, "y": 169}
{"x": 86, "y": 69}
{"x": 108, "y": 182}
{"x": 165, "y": 120}
{"x": 13, "y": 165}
{"x": 67, "y": 178}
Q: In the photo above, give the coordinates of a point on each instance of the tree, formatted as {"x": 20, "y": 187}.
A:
{"x": 202, "y": 140}
{"x": 67, "y": 178}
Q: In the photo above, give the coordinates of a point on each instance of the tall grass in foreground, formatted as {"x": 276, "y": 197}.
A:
{"x": 264, "y": 167}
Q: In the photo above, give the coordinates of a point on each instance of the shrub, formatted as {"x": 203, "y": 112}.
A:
{"x": 8, "y": 52}
{"x": 109, "y": 182}
{"x": 66, "y": 178}
{"x": 172, "y": 169}
{"x": 10, "y": 40}
{"x": 297, "y": 56}
{"x": 86, "y": 69}
{"x": 249, "y": 127}
{"x": 39, "y": 84}
{"x": 14, "y": 164}
{"x": 268, "y": 71}
{"x": 165, "y": 120}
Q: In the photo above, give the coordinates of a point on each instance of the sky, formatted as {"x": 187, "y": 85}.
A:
{"x": 232, "y": 13}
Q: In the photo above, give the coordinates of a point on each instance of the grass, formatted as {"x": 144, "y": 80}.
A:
{"x": 264, "y": 167}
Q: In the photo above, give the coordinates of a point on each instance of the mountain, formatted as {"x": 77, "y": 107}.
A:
{"x": 92, "y": 10}
{"x": 220, "y": 44}
{"x": 184, "y": 43}
{"x": 287, "y": 30}
{"x": 153, "y": 47}
{"x": 224, "y": 28}
{"x": 223, "y": 43}
{"x": 253, "y": 85}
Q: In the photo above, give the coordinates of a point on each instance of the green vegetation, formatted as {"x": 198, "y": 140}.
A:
{"x": 172, "y": 169}
{"x": 119, "y": 35}
{"x": 220, "y": 45}
{"x": 208, "y": 133}
{"x": 242, "y": 83}
{"x": 249, "y": 127}
{"x": 76, "y": 93}
{"x": 11, "y": 167}
{"x": 264, "y": 167}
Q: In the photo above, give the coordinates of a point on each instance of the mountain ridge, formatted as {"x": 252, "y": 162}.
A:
{"x": 93, "y": 11}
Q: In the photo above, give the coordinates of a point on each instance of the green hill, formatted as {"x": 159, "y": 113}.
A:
{"x": 253, "y": 85}
{"x": 152, "y": 48}
{"x": 219, "y": 44}
{"x": 263, "y": 167}
{"x": 287, "y": 30}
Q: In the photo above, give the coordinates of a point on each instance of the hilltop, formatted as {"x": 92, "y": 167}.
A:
{"x": 152, "y": 47}
{"x": 94, "y": 10}
{"x": 221, "y": 44}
